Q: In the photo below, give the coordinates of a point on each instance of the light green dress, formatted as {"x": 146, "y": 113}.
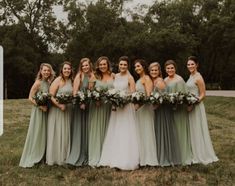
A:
{"x": 99, "y": 116}
{"x": 58, "y": 130}
{"x": 79, "y": 142}
{"x": 35, "y": 144}
{"x": 202, "y": 148}
{"x": 182, "y": 122}
{"x": 167, "y": 141}
{"x": 147, "y": 139}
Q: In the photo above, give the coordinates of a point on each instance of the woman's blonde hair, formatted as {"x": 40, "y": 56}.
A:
{"x": 85, "y": 59}
{"x": 156, "y": 64}
{"x": 98, "y": 73}
{"x": 39, "y": 74}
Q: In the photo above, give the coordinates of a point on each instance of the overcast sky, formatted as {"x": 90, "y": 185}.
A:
{"x": 130, "y": 5}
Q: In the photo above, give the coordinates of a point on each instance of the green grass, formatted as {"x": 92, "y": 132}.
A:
{"x": 221, "y": 118}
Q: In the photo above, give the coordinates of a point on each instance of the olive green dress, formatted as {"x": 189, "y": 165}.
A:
{"x": 181, "y": 120}
{"x": 79, "y": 142}
{"x": 35, "y": 144}
{"x": 58, "y": 130}
{"x": 99, "y": 116}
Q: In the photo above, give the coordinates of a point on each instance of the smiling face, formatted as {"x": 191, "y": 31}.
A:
{"x": 85, "y": 67}
{"x": 192, "y": 66}
{"x": 154, "y": 72}
{"x": 170, "y": 70}
{"x": 139, "y": 68}
{"x": 103, "y": 66}
{"x": 66, "y": 71}
{"x": 123, "y": 66}
{"x": 45, "y": 72}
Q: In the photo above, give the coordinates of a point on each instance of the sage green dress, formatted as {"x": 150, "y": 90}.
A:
{"x": 202, "y": 148}
{"x": 35, "y": 144}
{"x": 58, "y": 130}
{"x": 147, "y": 139}
{"x": 99, "y": 116}
{"x": 79, "y": 142}
{"x": 181, "y": 122}
{"x": 167, "y": 140}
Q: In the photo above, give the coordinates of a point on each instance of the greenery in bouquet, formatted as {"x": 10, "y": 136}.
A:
{"x": 138, "y": 98}
{"x": 42, "y": 98}
{"x": 97, "y": 94}
{"x": 174, "y": 99}
{"x": 155, "y": 98}
{"x": 64, "y": 98}
{"x": 190, "y": 98}
{"x": 82, "y": 96}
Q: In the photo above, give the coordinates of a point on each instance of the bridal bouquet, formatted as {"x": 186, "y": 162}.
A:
{"x": 138, "y": 98}
{"x": 64, "y": 98}
{"x": 117, "y": 98}
{"x": 42, "y": 98}
{"x": 174, "y": 99}
{"x": 190, "y": 98}
{"x": 155, "y": 98}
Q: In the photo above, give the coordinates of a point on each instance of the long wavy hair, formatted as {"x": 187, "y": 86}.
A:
{"x": 39, "y": 74}
{"x": 61, "y": 70}
{"x": 98, "y": 73}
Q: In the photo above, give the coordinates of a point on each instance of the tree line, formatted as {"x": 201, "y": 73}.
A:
{"x": 171, "y": 29}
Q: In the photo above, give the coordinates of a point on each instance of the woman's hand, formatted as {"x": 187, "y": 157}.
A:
{"x": 190, "y": 108}
{"x": 83, "y": 106}
{"x": 43, "y": 108}
{"x": 62, "y": 107}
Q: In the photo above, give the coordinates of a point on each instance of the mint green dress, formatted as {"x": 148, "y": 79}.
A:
{"x": 147, "y": 139}
{"x": 182, "y": 122}
{"x": 202, "y": 148}
{"x": 58, "y": 130}
{"x": 99, "y": 116}
{"x": 35, "y": 143}
{"x": 167, "y": 141}
{"x": 79, "y": 131}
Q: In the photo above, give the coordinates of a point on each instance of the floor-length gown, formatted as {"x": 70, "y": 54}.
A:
{"x": 79, "y": 142}
{"x": 120, "y": 147}
{"x": 99, "y": 118}
{"x": 181, "y": 122}
{"x": 35, "y": 144}
{"x": 202, "y": 148}
{"x": 167, "y": 141}
{"x": 58, "y": 130}
{"x": 147, "y": 139}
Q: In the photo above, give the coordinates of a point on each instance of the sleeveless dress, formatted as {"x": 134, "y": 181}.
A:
{"x": 58, "y": 130}
{"x": 202, "y": 148}
{"x": 167, "y": 141}
{"x": 147, "y": 139}
{"x": 35, "y": 144}
{"x": 181, "y": 121}
{"x": 99, "y": 118}
{"x": 79, "y": 131}
{"x": 120, "y": 147}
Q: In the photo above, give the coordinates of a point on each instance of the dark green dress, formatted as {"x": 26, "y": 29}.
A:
{"x": 35, "y": 144}
{"x": 167, "y": 141}
{"x": 79, "y": 141}
{"x": 181, "y": 120}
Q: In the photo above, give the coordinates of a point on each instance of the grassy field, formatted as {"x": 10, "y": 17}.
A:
{"x": 221, "y": 118}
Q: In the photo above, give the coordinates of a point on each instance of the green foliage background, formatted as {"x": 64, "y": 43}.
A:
{"x": 174, "y": 29}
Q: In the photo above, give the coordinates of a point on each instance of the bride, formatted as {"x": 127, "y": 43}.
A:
{"x": 120, "y": 148}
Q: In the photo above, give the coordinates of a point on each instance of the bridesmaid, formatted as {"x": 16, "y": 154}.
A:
{"x": 120, "y": 148}
{"x": 145, "y": 117}
{"x": 100, "y": 111}
{"x": 202, "y": 148}
{"x": 35, "y": 144}
{"x": 166, "y": 137}
{"x": 59, "y": 118}
{"x": 79, "y": 147}
{"x": 175, "y": 83}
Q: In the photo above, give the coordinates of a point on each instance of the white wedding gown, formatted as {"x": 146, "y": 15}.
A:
{"x": 120, "y": 148}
